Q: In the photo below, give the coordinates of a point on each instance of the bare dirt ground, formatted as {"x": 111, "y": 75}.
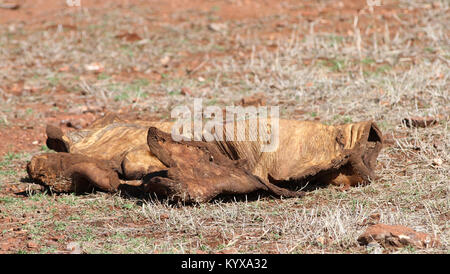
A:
{"x": 331, "y": 61}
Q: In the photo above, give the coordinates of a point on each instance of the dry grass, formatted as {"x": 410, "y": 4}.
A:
{"x": 386, "y": 76}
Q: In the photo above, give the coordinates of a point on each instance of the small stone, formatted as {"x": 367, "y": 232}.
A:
{"x": 396, "y": 236}
{"x": 95, "y": 67}
{"x": 130, "y": 37}
{"x": 11, "y": 6}
{"x": 64, "y": 69}
{"x": 437, "y": 162}
{"x": 217, "y": 27}
{"x": 31, "y": 244}
{"x": 321, "y": 240}
{"x": 164, "y": 60}
{"x": 74, "y": 248}
{"x": 186, "y": 91}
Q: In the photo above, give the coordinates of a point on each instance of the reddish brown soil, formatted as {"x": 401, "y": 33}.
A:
{"x": 334, "y": 17}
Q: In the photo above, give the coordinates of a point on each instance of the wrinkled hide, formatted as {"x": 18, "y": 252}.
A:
{"x": 122, "y": 143}
{"x": 113, "y": 151}
{"x": 341, "y": 155}
{"x": 198, "y": 171}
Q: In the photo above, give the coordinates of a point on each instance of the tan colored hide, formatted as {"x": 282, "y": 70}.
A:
{"x": 123, "y": 143}
{"x": 341, "y": 155}
{"x": 113, "y": 151}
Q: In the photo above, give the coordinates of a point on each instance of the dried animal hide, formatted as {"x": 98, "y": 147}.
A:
{"x": 66, "y": 172}
{"x": 112, "y": 152}
{"x": 198, "y": 171}
{"x": 340, "y": 155}
{"x": 122, "y": 143}
{"x": 114, "y": 145}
